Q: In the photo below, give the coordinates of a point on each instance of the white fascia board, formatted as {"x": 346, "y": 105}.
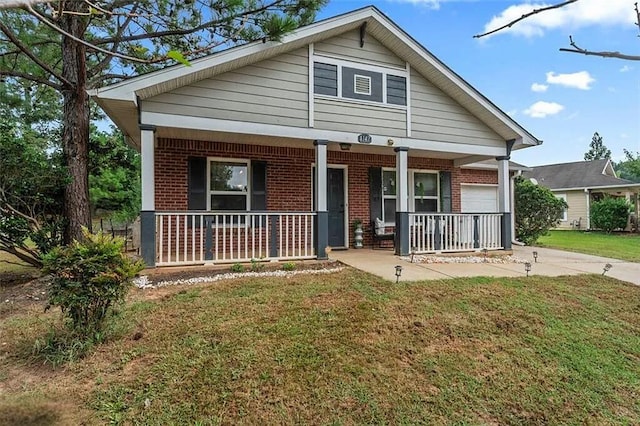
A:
{"x": 584, "y": 188}
{"x": 127, "y": 89}
{"x": 525, "y": 137}
{"x": 216, "y": 125}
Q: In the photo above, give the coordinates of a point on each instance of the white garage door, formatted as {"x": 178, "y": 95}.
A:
{"x": 479, "y": 198}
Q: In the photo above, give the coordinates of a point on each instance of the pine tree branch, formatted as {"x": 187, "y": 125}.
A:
{"x": 23, "y": 48}
{"x": 90, "y": 45}
{"x": 30, "y": 77}
{"x": 602, "y": 54}
{"x": 187, "y": 31}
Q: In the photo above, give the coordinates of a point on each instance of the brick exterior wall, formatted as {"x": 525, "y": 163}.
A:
{"x": 289, "y": 173}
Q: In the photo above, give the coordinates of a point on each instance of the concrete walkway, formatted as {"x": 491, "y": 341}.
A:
{"x": 550, "y": 263}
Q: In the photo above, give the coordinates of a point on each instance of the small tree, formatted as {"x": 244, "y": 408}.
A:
{"x": 88, "y": 278}
{"x": 610, "y": 214}
{"x": 597, "y": 149}
{"x": 537, "y": 210}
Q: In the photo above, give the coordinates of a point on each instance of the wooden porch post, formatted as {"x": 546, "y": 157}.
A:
{"x": 402, "y": 202}
{"x": 147, "y": 213}
{"x": 322, "y": 215}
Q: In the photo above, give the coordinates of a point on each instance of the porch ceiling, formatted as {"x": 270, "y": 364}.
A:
{"x": 176, "y": 133}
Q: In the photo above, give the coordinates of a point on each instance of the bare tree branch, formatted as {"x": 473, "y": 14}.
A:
{"x": 525, "y": 16}
{"x": 603, "y": 54}
{"x": 30, "y": 54}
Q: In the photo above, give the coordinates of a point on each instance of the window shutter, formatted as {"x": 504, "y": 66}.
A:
{"x": 375, "y": 192}
{"x": 325, "y": 79}
{"x": 197, "y": 183}
{"x": 445, "y": 192}
{"x": 258, "y": 185}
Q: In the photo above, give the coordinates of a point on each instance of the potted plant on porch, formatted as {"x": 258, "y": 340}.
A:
{"x": 357, "y": 233}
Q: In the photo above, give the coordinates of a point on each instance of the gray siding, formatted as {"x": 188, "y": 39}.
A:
{"x": 274, "y": 91}
{"x": 360, "y": 118}
{"x": 347, "y": 45}
{"x": 437, "y": 117}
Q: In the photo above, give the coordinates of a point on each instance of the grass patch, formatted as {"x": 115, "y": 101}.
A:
{"x": 9, "y": 264}
{"x": 349, "y": 348}
{"x": 623, "y": 246}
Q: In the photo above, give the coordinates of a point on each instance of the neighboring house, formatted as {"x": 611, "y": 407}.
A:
{"x": 579, "y": 184}
{"x": 272, "y": 150}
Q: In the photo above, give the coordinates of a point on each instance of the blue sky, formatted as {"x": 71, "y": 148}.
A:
{"x": 561, "y": 98}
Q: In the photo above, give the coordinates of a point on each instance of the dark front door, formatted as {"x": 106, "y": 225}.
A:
{"x": 335, "y": 206}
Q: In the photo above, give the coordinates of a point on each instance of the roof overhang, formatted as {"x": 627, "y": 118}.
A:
{"x": 120, "y": 100}
{"x": 630, "y": 186}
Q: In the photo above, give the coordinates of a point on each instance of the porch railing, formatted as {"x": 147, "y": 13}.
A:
{"x": 454, "y": 232}
{"x": 187, "y": 238}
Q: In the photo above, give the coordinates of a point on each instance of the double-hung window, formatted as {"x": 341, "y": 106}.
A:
{"x": 229, "y": 185}
{"x": 424, "y": 194}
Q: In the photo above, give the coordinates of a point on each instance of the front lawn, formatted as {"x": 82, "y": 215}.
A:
{"x": 345, "y": 348}
{"x": 623, "y": 246}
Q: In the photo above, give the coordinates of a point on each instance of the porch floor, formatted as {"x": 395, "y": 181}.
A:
{"x": 550, "y": 263}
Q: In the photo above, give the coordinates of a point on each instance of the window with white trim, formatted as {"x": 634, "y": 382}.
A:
{"x": 564, "y": 217}
{"x": 228, "y": 185}
{"x": 424, "y": 193}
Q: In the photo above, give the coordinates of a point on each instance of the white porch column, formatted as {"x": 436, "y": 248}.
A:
{"x": 147, "y": 157}
{"x": 147, "y": 213}
{"x": 402, "y": 201}
{"x": 322, "y": 215}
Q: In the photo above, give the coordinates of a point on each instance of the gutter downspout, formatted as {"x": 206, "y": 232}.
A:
{"x": 513, "y": 209}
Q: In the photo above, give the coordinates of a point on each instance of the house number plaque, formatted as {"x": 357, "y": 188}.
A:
{"x": 364, "y": 138}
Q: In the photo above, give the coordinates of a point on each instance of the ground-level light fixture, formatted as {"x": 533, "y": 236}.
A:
{"x": 398, "y": 273}
{"x": 527, "y": 267}
{"x": 606, "y": 268}
{"x": 535, "y": 256}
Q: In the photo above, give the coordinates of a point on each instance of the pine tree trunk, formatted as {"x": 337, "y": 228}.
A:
{"x": 75, "y": 124}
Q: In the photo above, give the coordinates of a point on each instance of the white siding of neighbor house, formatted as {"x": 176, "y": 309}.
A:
{"x": 347, "y": 46}
{"x": 577, "y": 201}
{"x": 274, "y": 91}
{"x": 437, "y": 117}
{"x": 348, "y": 116}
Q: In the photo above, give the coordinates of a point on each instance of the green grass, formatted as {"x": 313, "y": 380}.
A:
{"x": 623, "y": 246}
{"x": 16, "y": 266}
{"x": 346, "y": 348}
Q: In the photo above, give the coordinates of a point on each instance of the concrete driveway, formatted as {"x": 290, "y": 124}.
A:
{"x": 550, "y": 263}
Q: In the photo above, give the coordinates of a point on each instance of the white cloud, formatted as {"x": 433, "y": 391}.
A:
{"x": 579, "y": 14}
{"x": 578, "y": 80}
{"x": 542, "y": 109}
{"x": 626, "y": 68}
{"x": 537, "y": 87}
{"x": 432, "y": 4}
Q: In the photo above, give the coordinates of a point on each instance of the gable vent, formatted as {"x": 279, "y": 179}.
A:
{"x": 362, "y": 84}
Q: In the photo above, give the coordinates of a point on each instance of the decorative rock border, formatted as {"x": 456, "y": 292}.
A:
{"x": 143, "y": 282}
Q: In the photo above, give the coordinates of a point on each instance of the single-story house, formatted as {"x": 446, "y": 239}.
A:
{"x": 580, "y": 183}
{"x": 271, "y": 150}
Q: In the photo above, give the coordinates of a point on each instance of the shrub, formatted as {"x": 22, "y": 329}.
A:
{"x": 288, "y": 266}
{"x": 237, "y": 267}
{"x": 610, "y": 213}
{"x": 89, "y": 277}
{"x": 256, "y": 265}
{"x": 537, "y": 210}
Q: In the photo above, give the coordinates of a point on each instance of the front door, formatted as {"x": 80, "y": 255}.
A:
{"x": 336, "y": 207}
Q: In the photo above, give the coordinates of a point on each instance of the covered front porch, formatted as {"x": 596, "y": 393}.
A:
{"x": 301, "y": 201}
